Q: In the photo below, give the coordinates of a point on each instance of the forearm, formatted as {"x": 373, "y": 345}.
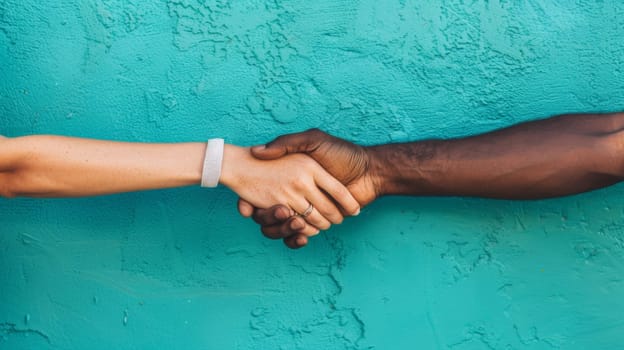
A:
{"x": 545, "y": 158}
{"x": 54, "y": 166}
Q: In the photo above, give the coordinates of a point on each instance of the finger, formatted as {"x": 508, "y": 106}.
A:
{"x": 286, "y": 229}
{"x": 325, "y": 206}
{"x": 314, "y": 218}
{"x": 338, "y": 192}
{"x": 303, "y": 142}
{"x": 296, "y": 241}
{"x": 294, "y": 225}
{"x": 277, "y": 214}
{"x": 245, "y": 208}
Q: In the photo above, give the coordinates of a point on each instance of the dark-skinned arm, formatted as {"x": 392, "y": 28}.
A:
{"x": 545, "y": 158}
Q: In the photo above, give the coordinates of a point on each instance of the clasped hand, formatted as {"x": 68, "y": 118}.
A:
{"x": 312, "y": 167}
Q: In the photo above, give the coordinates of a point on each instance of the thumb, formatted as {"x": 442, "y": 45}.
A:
{"x": 303, "y": 142}
{"x": 265, "y": 152}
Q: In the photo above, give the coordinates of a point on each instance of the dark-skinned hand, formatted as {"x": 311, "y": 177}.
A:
{"x": 347, "y": 162}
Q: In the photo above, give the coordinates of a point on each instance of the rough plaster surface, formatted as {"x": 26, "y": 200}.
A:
{"x": 179, "y": 269}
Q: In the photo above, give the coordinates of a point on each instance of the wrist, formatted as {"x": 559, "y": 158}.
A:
{"x": 233, "y": 157}
{"x": 378, "y": 170}
{"x": 405, "y": 169}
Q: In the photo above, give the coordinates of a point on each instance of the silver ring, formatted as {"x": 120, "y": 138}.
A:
{"x": 307, "y": 212}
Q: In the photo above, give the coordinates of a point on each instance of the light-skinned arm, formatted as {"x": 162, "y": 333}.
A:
{"x": 57, "y": 166}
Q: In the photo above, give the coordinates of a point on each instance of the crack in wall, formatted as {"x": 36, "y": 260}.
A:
{"x": 341, "y": 323}
{"x": 8, "y": 329}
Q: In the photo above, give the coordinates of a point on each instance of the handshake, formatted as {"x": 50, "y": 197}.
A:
{"x": 322, "y": 178}
{"x": 335, "y": 178}
{"x": 299, "y": 184}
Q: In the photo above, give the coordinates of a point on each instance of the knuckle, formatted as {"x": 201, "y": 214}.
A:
{"x": 296, "y": 224}
{"x": 281, "y": 213}
{"x": 291, "y": 243}
{"x": 265, "y": 232}
{"x": 299, "y": 182}
{"x": 278, "y": 140}
{"x": 257, "y": 217}
{"x": 270, "y": 233}
{"x": 315, "y": 132}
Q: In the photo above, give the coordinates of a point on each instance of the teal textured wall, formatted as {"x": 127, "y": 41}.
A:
{"x": 178, "y": 269}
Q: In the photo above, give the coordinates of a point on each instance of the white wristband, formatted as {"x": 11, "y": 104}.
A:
{"x": 212, "y": 163}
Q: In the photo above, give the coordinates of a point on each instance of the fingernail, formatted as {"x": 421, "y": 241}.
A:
{"x": 357, "y": 212}
{"x": 258, "y": 147}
